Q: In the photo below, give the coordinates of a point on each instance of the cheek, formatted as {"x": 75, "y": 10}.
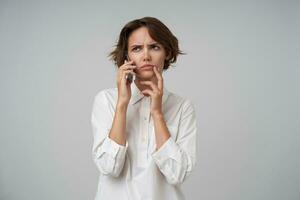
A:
{"x": 134, "y": 56}
{"x": 161, "y": 61}
{"x": 161, "y": 57}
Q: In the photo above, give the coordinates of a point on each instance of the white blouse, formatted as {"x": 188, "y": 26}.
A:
{"x": 137, "y": 171}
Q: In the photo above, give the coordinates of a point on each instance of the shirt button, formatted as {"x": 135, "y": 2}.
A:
{"x": 145, "y": 118}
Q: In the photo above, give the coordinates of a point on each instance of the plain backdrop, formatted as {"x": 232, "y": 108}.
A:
{"x": 241, "y": 71}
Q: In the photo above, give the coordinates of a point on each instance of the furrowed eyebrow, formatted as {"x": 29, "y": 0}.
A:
{"x": 138, "y": 45}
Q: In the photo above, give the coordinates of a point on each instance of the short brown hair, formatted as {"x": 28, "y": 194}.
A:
{"x": 157, "y": 30}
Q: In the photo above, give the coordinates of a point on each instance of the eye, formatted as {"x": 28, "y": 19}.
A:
{"x": 155, "y": 47}
{"x": 135, "y": 48}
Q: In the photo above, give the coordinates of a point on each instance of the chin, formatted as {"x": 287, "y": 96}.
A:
{"x": 146, "y": 75}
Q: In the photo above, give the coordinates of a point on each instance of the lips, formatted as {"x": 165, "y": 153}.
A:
{"x": 147, "y": 66}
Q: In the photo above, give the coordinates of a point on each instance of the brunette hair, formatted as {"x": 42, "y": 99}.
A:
{"x": 157, "y": 30}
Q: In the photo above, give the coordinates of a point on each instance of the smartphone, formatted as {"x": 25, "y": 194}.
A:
{"x": 129, "y": 77}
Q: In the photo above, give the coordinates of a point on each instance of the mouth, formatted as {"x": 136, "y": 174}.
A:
{"x": 147, "y": 67}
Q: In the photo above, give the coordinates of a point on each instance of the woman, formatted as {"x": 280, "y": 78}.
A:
{"x": 144, "y": 135}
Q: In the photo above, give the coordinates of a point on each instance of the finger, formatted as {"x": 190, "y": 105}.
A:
{"x": 130, "y": 71}
{"x": 159, "y": 79}
{"x": 122, "y": 70}
{"x": 147, "y": 91}
{"x": 123, "y": 73}
{"x": 126, "y": 64}
{"x": 151, "y": 84}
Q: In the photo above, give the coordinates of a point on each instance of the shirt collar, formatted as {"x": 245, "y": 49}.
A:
{"x": 137, "y": 95}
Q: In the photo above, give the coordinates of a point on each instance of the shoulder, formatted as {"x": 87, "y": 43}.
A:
{"x": 177, "y": 99}
{"x": 106, "y": 95}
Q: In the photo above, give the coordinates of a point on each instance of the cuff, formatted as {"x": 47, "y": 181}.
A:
{"x": 112, "y": 148}
{"x": 169, "y": 150}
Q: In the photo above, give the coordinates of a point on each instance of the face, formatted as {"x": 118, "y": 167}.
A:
{"x": 143, "y": 50}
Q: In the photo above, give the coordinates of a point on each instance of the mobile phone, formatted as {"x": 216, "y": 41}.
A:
{"x": 129, "y": 77}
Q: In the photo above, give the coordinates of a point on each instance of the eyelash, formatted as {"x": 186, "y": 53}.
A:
{"x": 153, "y": 46}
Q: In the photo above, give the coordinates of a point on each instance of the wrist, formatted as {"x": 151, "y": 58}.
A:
{"x": 157, "y": 114}
{"x": 122, "y": 106}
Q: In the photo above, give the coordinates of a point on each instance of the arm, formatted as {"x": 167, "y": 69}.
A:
{"x": 109, "y": 148}
{"x": 176, "y": 159}
{"x": 117, "y": 132}
{"x": 109, "y": 126}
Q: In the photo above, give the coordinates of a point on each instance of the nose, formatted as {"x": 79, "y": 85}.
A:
{"x": 146, "y": 55}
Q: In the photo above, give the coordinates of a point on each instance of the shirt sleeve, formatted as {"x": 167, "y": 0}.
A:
{"x": 108, "y": 155}
{"x": 177, "y": 158}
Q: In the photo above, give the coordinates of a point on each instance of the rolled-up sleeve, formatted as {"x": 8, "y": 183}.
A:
{"x": 108, "y": 155}
{"x": 176, "y": 158}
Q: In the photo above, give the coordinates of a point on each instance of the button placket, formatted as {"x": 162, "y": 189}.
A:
{"x": 143, "y": 144}
{"x": 146, "y": 124}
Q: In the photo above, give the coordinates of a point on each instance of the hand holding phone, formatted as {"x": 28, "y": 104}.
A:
{"x": 129, "y": 77}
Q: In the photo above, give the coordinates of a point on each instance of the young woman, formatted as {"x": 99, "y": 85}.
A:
{"x": 144, "y": 135}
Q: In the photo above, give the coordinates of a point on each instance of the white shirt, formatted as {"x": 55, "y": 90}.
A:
{"x": 137, "y": 171}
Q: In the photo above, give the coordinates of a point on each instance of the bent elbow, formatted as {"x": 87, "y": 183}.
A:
{"x": 176, "y": 180}
{"x": 179, "y": 178}
{"x": 108, "y": 168}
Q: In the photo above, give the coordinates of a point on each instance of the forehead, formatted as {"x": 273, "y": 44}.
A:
{"x": 140, "y": 36}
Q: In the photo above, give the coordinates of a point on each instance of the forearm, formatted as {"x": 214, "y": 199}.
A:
{"x": 173, "y": 160}
{"x": 160, "y": 128}
{"x": 118, "y": 129}
{"x": 174, "y": 168}
{"x": 177, "y": 158}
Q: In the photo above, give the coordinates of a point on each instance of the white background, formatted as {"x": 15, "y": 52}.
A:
{"x": 241, "y": 72}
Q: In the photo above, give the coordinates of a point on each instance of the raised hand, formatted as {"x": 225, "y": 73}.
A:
{"x": 124, "y": 89}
